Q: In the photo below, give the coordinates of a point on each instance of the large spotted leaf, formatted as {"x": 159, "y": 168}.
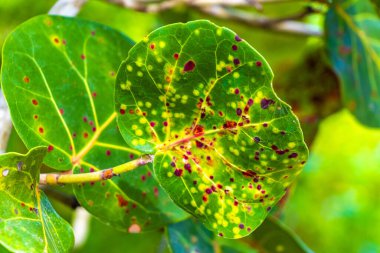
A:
{"x": 353, "y": 29}
{"x": 28, "y": 222}
{"x": 200, "y": 98}
{"x": 58, "y": 78}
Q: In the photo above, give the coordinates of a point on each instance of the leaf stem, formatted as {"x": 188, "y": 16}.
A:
{"x": 62, "y": 178}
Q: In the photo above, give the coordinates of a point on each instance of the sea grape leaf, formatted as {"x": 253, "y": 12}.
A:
{"x": 192, "y": 236}
{"x": 274, "y": 236}
{"x": 352, "y": 32}
{"x": 200, "y": 98}
{"x": 58, "y": 78}
{"x": 189, "y": 236}
{"x": 271, "y": 236}
{"x": 28, "y": 222}
{"x": 102, "y": 238}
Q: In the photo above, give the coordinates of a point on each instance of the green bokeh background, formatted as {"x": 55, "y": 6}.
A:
{"x": 335, "y": 205}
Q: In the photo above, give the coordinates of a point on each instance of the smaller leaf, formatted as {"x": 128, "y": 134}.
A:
{"x": 138, "y": 243}
{"x": 28, "y": 222}
{"x": 192, "y": 236}
{"x": 274, "y": 236}
{"x": 189, "y": 236}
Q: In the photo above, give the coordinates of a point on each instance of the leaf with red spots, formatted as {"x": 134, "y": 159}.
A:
{"x": 28, "y": 222}
{"x": 352, "y": 29}
{"x": 226, "y": 147}
{"x": 67, "y": 104}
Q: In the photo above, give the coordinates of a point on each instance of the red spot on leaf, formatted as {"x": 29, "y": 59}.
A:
{"x": 199, "y": 130}
{"x": 50, "y": 148}
{"x": 26, "y": 79}
{"x": 249, "y": 173}
{"x": 178, "y": 172}
{"x": 121, "y": 200}
{"x": 176, "y": 56}
{"x": 34, "y": 102}
{"x": 189, "y": 66}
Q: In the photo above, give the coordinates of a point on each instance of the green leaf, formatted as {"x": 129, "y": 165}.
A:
{"x": 189, "y": 236}
{"x": 271, "y": 236}
{"x": 103, "y": 238}
{"x": 28, "y": 223}
{"x": 274, "y": 236}
{"x": 192, "y": 236}
{"x": 353, "y": 29}
{"x": 58, "y": 78}
{"x": 200, "y": 98}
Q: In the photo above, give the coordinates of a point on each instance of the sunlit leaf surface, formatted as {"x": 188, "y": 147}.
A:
{"x": 353, "y": 29}
{"x": 200, "y": 98}
{"x": 58, "y": 78}
{"x": 28, "y": 223}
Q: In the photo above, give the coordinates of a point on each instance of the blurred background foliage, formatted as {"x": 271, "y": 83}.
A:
{"x": 335, "y": 204}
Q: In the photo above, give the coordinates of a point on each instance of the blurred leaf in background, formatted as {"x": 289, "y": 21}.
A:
{"x": 337, "y": 197}
{"x": 353, "y": 29}
{"x": 13, "y": 12}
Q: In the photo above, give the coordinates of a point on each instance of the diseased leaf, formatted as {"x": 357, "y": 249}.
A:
{"x": 28, "y": 222}
{"x": 58, "y": 78}
{"x": 353, "y": 29}
{"x": 200, "y": 98}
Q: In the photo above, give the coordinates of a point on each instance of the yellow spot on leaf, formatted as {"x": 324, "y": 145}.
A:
{"x": 162, "y": 44}
{"x": 236, "y": 75}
